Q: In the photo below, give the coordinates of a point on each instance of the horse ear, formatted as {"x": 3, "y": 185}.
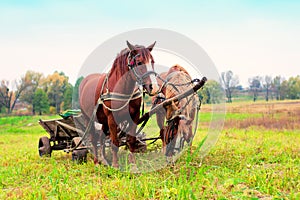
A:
{"x": 150, "y": 47}
{"x": 130, "y": 46}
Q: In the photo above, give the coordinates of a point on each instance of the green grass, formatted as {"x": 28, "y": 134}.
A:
{"x": 22, "y": 124}
{"x": 244, "y": 164}
{"x": 206, "y": 117}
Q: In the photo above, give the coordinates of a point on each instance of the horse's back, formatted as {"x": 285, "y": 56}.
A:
{"x": 89, "y": 92}
{"x": 178, "y": 76}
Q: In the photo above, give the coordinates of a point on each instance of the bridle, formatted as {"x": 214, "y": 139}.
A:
{"x": 132, "y": 64}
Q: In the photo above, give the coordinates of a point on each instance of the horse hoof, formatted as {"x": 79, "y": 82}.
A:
{"x": 170, "y": 160}
{"x": 96, "y": 162}
{"x": 104, "y": 162}
{"x": 116, "y": 166}
{"x": 134, "y": 169}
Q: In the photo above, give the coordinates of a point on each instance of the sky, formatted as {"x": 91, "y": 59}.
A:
{"x": 249, "y": 38}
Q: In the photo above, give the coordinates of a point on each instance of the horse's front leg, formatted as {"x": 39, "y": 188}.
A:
{"x": 133, "y": 147}
{"x": 131, "y": 142}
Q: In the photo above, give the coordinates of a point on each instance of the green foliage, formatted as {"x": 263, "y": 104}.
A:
{"x": 68, "y": 97}
{"x": 55, "y": 86}
{"x": 294, "y": 87}
{"x": 8, "y": 97}
{"x": 290, "y": 89}
{"x": 28, "y": 94}
{"x": 212, "y": 92}
{"x": 76, "y": 93}
{"x": 276, "y": 86}
{"x": 40, "y": 102}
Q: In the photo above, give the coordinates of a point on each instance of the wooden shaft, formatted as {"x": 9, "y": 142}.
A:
{"x": 175, "y": 99}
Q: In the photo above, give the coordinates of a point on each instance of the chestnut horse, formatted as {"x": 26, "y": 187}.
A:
{"x": 118, "y": 99}
{"x": 179, "y": 115}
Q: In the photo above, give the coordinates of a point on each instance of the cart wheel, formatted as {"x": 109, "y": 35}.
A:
{"x": 79, "y": 155}
{"x": 44, "y": 146}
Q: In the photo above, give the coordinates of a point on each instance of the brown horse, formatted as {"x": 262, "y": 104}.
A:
{"x": 179, "y": 115}
{"x": 120, "y": 100}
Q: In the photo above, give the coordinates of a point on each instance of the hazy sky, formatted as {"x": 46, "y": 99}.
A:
{"x": 248, "y": 37}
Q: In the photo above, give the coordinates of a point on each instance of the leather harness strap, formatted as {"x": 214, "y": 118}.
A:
{"x": 120, "y": 97}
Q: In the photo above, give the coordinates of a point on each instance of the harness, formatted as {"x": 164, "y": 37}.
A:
{"x": 108, "y": 96}
{"x": 166, "y": 82}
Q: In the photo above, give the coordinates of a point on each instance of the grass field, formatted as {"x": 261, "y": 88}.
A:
{"x": 256, "y": 157}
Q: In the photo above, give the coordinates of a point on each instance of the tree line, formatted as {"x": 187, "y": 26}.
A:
{"x": 41, "y": 94}
{"x": 54, "y": 93}
{"x": 267, "y": 87}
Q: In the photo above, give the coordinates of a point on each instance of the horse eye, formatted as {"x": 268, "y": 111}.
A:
{"x": 139, "y": 63}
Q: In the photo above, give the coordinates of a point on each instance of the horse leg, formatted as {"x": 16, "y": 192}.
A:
{"x": 163, "y": 132}
{"x": 131, "y": 141}
{"x": 94, "y": 140}
{"x": 160, "y": 118}
{"x": 102, "y": 146}
{"x": 113, "y": 128}
{"x": 190, "y": 134}
{"x": 190, "y": 137}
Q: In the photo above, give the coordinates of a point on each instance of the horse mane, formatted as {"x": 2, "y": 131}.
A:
{"x": 178, "y": 68}
{"x": 120, "y": 62}
{"x": 120, "y": 65}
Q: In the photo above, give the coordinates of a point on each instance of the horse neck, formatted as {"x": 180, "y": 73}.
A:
{"x": 121, "y": 83}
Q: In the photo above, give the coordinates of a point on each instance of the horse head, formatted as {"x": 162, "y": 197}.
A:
{"x": 141, "y": 63}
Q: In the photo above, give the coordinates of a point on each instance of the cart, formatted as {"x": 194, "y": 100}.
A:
{"x": 64, "y": 135}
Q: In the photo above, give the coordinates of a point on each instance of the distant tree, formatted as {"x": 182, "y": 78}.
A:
{"x": 212, "y": 92}
{"x": 230, "y": 81}
{"x": 294, "y": 87}
{"x": 40, "y": 101}
{"x": 255, "y": 86}
{"x": 276, "y": 86}
{"x": 28, "y": 93}
{"x": 75, "y": 97}
{"x": 8, "y": 98}
{"x": 5, "y": 95}
{"x": 55, "y": 86}
{"x": 267, "y": 83}
{"x": 68, "y": 97}
{"x": 284, "y": 90}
